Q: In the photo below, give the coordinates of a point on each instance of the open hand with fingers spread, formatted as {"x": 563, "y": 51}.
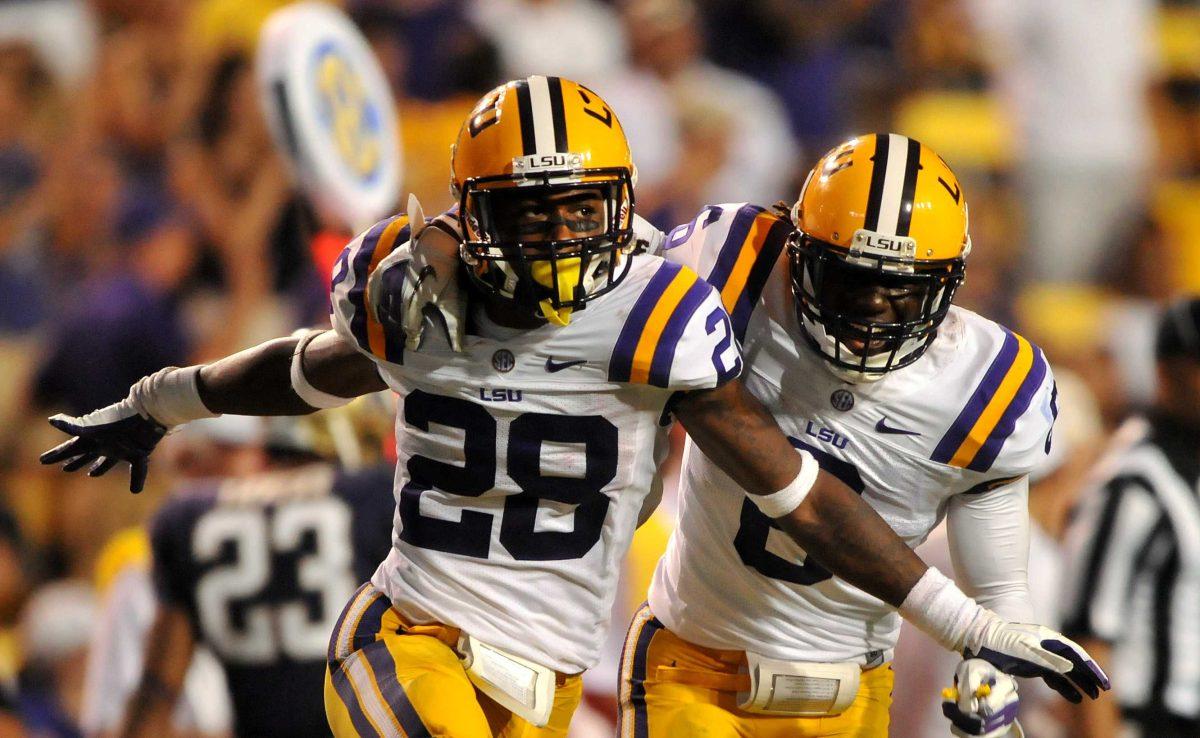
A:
{"x": 105, "y": 437}
{"x": 130, "y": 429}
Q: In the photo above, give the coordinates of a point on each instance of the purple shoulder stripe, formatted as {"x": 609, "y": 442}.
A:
{"x": 760, "y": 273}
{"x": 664, "y": 353}
{"x": 987, "y": 453}
{"x": 390, "y": 283}
{"x": 738, "y": 230}
{"x": 620, "y": 364}
{"x": 978, "y": 401}
{"x": 360, "y": 265}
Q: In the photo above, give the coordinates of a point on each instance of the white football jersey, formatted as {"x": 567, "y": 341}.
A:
{"x": 523, "y": 463}
{"x": 975, "y": 412}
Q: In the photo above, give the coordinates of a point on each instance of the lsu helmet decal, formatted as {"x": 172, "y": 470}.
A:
{"x": 545, "y": 182}
{"x": 331, "y": 112}
{"x": 879, "y": 250}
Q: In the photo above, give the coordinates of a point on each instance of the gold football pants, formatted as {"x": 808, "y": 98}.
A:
{"x": 674, "y": 689}
{"x": 386, "y": 677}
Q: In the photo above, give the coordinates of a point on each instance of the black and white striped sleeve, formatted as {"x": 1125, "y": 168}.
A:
{"x": 1107, "y": 548}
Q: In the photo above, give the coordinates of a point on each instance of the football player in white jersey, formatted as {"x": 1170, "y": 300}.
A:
{"x": 526, "y": 456}
{"x": 843, "y": 309}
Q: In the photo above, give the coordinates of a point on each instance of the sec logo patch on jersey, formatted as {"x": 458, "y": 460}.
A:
{"x": 503, "y": 361}
{"x": 841, "y": 400}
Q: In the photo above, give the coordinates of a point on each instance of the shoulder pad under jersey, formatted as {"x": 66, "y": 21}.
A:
{"x": 353, "y": 306}
{"x": 676, "y": 335}
{"x": 734, "y": 247}
{"x": 1003, "y": 428}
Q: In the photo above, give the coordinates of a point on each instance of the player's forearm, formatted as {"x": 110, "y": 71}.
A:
{"x": 824, "y": 516}
{"x": 733, "y": 429}
{"x": 258, "y": 381}
{"x": 988, "y": 534}
{"x": 253, "y": 382}
{"x": 848, "y": 538}
{"x": 832, "y": 523}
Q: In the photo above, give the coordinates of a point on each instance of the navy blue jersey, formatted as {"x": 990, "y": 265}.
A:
{"x": 263, "y": 567}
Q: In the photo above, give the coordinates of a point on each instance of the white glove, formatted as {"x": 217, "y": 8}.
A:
{"x": 942, "y": 611}
{"x": 1026, "y": 650}
{"x": 431, "y": 282}
{"x": 130, "y": 429}
{"x": 983, "y": 702}
{"x": 104, "y": 437}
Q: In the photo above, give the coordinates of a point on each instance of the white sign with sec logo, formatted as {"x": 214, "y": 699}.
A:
{"x": 331, "y": 112}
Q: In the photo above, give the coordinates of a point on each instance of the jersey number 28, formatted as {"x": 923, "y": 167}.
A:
{"x": 471, "y": 535}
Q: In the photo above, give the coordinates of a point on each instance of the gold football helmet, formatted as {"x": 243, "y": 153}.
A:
{"x": 879, "y": 251}
{"x": 545, "y": 183}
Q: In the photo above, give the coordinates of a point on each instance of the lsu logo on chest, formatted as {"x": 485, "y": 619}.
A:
{"x": 499, "y": 394}
{"x": 824, "y": 434}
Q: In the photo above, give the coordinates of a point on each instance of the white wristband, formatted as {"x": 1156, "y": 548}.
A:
{"x": 778, "y": 504}
{"x": 170, "y": 396}
{"x": 937, "y": 607}
{"x": 312, "y": 396}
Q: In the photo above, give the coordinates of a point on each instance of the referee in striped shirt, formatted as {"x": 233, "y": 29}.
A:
{"x": 1135, "y": 556}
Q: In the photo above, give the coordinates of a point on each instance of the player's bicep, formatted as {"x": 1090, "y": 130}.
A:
{"x": 335, "y": 366}
{"x": 733, "y": 429}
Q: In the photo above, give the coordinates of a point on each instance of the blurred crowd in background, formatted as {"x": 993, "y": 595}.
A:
{"x": 146, "y": 221}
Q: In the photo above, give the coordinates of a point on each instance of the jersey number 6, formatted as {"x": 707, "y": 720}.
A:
{"x": 471, "y": 535}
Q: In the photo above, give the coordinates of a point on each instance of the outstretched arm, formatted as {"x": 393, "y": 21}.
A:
{"x": 258, "y": 381}
{"x": 287, "y": 376}
{"x": 843, "y": 533}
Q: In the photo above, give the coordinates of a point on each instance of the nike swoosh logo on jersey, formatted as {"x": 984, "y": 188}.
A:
{"x": 557, "y": 366}
{"x": 883, "y": 427}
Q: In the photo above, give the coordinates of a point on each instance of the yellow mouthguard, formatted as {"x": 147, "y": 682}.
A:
{"x": 568, "y": 277}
